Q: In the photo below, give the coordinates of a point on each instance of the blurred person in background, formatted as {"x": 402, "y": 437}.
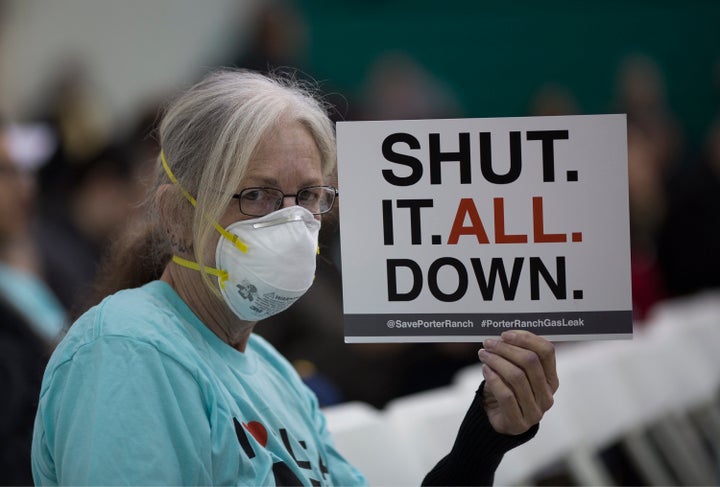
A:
{"x": 648, "y": 203}
{"x": 398, "y": 87}
{"x": 655, "y": 150}
{"x": 31, "y": 318}
{"x": 640, "y": 93}
{"x": 81, "y": 185}
{"x": 92, "y": 185}
{"x": 689, "y": 240}
{"x": 167, "y": 382}
{"x": 279, "y": 39}
{"x": 690, "y": 234}
{"x": 553, "y": 99}
{"x": 95, "y": 206}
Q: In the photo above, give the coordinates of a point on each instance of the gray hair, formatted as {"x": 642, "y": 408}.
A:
{"x": 210, "y": 133}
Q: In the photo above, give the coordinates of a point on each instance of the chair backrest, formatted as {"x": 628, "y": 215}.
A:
{"x": 364, "y": 436}
{"x": 694, "y": 325}
{"x": 585, "y": 416}
{"x": 429, "y": 421}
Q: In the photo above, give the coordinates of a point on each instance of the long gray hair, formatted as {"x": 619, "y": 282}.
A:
{"x": 208, "y": 136}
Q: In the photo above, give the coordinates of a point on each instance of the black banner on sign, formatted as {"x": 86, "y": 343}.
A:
{"x": 475, "y": 327}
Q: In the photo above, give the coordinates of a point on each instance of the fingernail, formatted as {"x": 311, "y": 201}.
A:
{"x": 483, "y": 355}
{"x": 490, "y": 343}
{"x": 509, "y": 335}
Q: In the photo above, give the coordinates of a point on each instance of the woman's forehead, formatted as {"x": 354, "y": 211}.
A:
{"x": 287, "y": 152}
{"x": 289, "y": 174}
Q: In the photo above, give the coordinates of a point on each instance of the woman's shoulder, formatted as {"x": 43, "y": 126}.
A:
{"x": 145, "y": 314}
{"x": 131, "y": 311}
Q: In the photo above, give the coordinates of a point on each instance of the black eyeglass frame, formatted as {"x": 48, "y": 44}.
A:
{"x": 279, "y": 204}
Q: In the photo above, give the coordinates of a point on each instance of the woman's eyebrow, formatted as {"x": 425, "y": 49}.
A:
{"x": 263, "y": 181}
{"x": 271, "y": 182}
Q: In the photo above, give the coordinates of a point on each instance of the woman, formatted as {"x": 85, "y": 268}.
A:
{"x": 166, "y": 383}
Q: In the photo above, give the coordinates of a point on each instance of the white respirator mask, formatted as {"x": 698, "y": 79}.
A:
{"x": 278, "y": 267}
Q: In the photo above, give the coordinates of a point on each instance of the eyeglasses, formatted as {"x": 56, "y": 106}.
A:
{"x": 261, "y": 201}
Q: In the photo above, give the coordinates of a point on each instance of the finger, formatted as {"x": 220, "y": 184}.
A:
{"x": 517, "y": 381}
{"x": 542, "y": 347}
{"x": 511, "y": 420}
{"x": 503, "y": 396}
{"x": 528, "y": 363}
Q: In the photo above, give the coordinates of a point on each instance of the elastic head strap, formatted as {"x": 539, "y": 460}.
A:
{"x": 219, "y": 273}
{"x": 233, "y": 238}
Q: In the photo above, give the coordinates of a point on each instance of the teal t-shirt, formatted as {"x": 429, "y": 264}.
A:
{"x": 140, "y": 392}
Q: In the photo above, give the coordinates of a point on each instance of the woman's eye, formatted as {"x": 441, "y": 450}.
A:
{"x": 253, "y": 195}
{"x": 307, "y": 196}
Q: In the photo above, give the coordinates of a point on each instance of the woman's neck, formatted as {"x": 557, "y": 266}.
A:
{"x": 213, "y": 313}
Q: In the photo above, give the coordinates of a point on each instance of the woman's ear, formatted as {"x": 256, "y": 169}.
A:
{"x": 176, "y": 218}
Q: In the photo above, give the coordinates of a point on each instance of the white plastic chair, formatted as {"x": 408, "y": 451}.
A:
{"x": 429, "y": 421}
{"x": 688, "y": 332}
{"x": 593, "y": 409}
{"x": 367, "y": 440}
{"x": 663, "y": 375}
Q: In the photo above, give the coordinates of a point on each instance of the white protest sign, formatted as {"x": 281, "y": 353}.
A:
{"x": 459, "y": 229}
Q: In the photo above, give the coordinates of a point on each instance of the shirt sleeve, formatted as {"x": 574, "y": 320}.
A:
{"x": 121, "y": 412}
{"x": 477, "y": 451}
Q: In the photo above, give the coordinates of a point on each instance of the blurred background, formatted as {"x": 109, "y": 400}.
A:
{"x": 82, "y": 83}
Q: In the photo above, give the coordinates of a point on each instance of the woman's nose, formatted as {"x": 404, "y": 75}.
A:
{"x": 289, "y": 200}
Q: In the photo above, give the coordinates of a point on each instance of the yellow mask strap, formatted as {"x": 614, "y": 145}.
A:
{"x": 233, "y": 238}
{"x": 219, "y": 273}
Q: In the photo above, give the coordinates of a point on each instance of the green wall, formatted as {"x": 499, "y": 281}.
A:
{"x": 495, "y": 54}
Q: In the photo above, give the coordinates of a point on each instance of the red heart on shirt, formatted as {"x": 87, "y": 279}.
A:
{"x": 258, "y": 431}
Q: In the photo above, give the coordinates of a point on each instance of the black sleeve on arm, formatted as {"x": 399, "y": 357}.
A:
{"x": 477, "y": 451}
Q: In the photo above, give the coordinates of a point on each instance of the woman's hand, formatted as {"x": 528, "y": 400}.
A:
{"x": 520, "y": 380}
